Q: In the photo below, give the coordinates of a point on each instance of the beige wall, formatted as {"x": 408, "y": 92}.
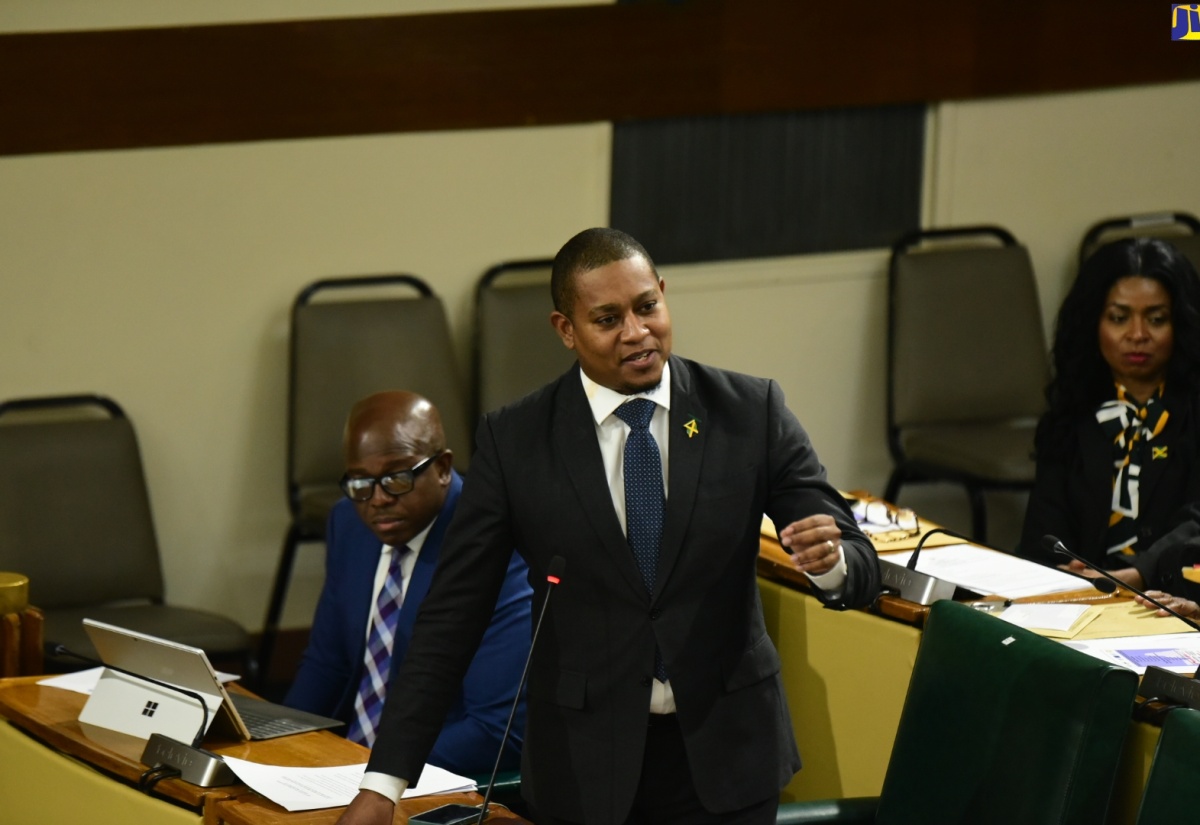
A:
{"x": 163, "y": 278}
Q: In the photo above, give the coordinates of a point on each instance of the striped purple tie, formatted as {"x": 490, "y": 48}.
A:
{"x": 368, "y": 705}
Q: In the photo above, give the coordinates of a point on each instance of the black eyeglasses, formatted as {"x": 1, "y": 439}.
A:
{"x": 394, "y": 484}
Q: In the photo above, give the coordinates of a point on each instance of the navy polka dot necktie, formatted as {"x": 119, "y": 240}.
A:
{"x": 645, "y": 502}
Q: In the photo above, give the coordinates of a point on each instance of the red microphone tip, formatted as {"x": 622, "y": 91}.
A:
{"x": 553, "y": 579}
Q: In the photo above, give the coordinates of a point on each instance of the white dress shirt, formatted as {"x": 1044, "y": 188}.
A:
{"x": 611, "y": 433}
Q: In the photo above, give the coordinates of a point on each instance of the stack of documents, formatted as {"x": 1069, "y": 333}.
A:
{"x": 1176, "y": 652}
{"x": 306, "y": 789}
{"x": 1122, "y": 633}
{"x": 990, "y": 572}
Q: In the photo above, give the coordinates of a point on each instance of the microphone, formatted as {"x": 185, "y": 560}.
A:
{"x": 1157, "y": 684}
{"x": 913, "y": 586}
{"x": 554, "y": 573}
{"x": 455, "y": 814}
{"x": 1052, "y": 544}
{"x": 54, "y": 649}
{"x": 912, "y": 560}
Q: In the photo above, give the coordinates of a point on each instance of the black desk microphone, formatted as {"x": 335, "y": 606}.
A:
{"x": 1052, "y": 544}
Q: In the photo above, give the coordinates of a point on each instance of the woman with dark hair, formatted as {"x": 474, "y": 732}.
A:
{"x": 1118, "y": 458}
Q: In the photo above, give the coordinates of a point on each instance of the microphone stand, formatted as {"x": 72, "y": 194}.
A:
{"x": 1158, "y": 684}
{"x": 914, "y": 586}
{"x": 457, "y": 814}
{"x": 1052, "y": 544}
{"x": 553, "y": 577}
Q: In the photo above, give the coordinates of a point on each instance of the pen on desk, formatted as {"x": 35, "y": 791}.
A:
{"x": 991, "y": 606}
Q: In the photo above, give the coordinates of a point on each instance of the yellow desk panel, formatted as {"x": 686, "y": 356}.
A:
{"x": 846, "y": 674}
{"x": 40, "y": 786}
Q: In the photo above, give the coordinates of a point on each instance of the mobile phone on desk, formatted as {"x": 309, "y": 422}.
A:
{"x": 453, "y": 814}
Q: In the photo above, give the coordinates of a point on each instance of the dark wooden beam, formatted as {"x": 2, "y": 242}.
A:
{"x": 78, "y": 91}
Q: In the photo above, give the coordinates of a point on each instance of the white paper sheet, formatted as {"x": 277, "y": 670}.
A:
{"x": 1058, "y": 617}
{"x": 307, "y": 789}
{"x": 990, "y": 572}
{"x": 1177, "y": 652}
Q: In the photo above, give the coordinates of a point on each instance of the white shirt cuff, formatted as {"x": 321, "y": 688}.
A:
{"x": 393, "y": 787}
{"x": 830, "y": 582}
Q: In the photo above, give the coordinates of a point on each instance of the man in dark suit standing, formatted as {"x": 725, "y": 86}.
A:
{"x": 383, "y": 544}
{"x": 654, "y": 692}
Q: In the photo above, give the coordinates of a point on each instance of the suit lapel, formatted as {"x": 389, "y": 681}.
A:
{"x": 575, "y": 441}
{"x": 687, "y": 435}
{"x": 422, "y": 574}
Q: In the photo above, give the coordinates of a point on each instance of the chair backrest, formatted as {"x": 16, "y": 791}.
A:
{"x": 965, "y": 339}
{"x": 344, "y": 350}
{"x": 516, "y": 349}
{"x": 1001, "y": 725}
{"x": 1172, "y": 791}
{"x": 74, "y": 507}
{"x": 1180, "y": 228}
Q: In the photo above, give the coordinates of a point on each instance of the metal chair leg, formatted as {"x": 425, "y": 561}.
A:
{"x": 978, "y": 513}
{"x": 283, "y": 578}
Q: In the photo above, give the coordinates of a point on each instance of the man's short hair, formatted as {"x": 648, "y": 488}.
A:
{"x": 590, "y": 249}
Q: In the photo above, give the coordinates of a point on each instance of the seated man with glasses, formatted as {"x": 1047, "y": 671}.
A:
{"x": 382, "y": 547}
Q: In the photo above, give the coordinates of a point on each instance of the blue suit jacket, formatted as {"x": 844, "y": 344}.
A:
{"x": 332, "y": 665}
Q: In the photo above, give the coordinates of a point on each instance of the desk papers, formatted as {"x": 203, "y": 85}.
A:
{"x": 1176, "y": 652}
{"x": 1056, "y": 621}
{"x": 307, "y": 789}
{"x": 990, "y": 572}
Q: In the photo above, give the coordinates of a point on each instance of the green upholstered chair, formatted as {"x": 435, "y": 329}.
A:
{"x": 1172, "y": 792}
{"x": 999, "y": 725}
{"x": 506, "y": 791}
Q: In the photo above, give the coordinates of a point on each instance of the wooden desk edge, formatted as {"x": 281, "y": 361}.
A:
{"x": 774, "y": 565}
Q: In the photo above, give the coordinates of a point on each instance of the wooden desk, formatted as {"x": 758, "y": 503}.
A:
{"x": 254, "y": 810}
{"x": 54, "y": 772}
{"x": 846, "y": 675}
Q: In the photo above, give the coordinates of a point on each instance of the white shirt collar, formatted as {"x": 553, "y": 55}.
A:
{"x": 416, "y": 542}
{"x": 604, "y": 401}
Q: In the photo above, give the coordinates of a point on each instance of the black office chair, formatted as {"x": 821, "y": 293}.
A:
{"x": 515, "y": 350}
{"x": 75, "y": 518}
{"x": 351, "y": 337}
{"x": 1180, "y": 228}
{"x": 999, "y": 726}
{"x": 967, "y": 363}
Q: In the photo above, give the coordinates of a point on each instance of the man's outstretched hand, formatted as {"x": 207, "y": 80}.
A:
{"x": 369, "y": 808}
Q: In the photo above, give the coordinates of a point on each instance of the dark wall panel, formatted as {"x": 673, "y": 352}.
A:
{"x": 79, "y": 90}
{"x": 762, "y": 185}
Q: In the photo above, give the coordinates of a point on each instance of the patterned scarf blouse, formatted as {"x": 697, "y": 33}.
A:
{"x": 1131, "y": 429}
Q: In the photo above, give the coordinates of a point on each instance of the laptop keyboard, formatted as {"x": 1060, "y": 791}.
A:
{"x": 266, "y": 726}
{"x": 266, "y": 720}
